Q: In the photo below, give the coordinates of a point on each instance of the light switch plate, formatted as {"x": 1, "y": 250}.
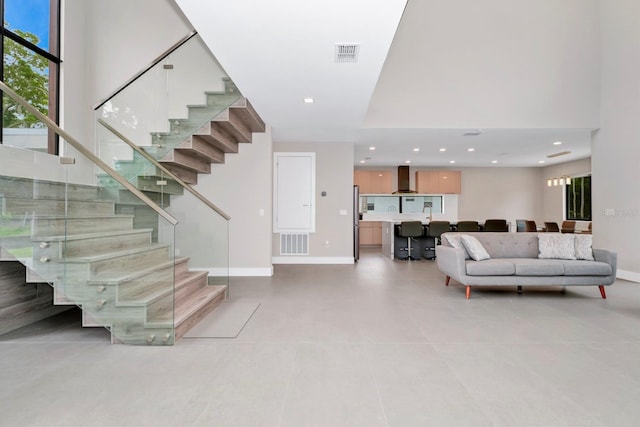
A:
{"x": 343, "y": 211}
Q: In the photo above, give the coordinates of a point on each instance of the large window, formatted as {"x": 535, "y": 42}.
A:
{"x": 30, "y": 46}
{"x": 578, "y": 199}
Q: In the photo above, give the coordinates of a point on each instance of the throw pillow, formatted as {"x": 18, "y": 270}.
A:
{"x": 474, "y": 247}
{"x": 556, "y": 246}
{"x": 583, "y": 247}
{"x": 456, "y": 242}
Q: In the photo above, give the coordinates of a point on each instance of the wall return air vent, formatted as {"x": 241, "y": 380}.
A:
{"x": 347, "y": 52}
{"x": 294, "y": 244}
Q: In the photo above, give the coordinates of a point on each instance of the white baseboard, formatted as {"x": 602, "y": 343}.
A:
{"x": 238, "y": 272}
{"x": 311, "y": 260}
{"x": 628, "y": 275}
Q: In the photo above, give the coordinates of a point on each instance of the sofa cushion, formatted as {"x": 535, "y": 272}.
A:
{"x": 583, "y": 247}
{"x": 537, "y": 267}
{"x": 455, "y": 241}
{"x": 474, "y": 248}
{"x": 585, "y": 268}
{"x": 490, "y": 267}
{"x": 556, "y": 246}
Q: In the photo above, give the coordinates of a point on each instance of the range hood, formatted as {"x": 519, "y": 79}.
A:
{"x": 403, "y": 180}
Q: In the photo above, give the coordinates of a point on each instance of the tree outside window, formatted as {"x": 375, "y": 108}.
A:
{"x": 578, "y": 199}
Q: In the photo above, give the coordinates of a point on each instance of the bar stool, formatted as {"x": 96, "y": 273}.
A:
{"x": 435, "y": 230}
{"x": 410, "y": 230}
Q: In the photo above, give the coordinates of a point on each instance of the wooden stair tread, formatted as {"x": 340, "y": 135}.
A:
{"x": 135, "y": 274}
{"x": 117, "y": 254}
{"x": 93, "y": 235}
{"x": 192, "y": 304}
{"x": 38, "y": 217}
{"x": 150, "y": 295}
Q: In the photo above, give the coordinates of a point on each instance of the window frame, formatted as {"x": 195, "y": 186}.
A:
{"x": 568, "y": 199}
{"x": 52, "y": 55}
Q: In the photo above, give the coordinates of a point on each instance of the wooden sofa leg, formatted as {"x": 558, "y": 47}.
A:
{"x": 602, "y": 292}
{"x": 468, "y": 292}
{"x": 446, "y": 282}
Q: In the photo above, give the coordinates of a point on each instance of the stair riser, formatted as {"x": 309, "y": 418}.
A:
{"x": 54, "y": 207}
{"x": 140, "y": 334}
{"x": 160, "y": 308}
{"x": 60, "y": 226}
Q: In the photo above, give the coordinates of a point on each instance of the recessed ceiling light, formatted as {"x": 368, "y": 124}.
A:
{"x": 443, "y": 149}
{"x": 361, "y": 161}
{"x": 452, "y": 161}
{"x": 557, "y": 143}
{"x": 494, "y": 161}
{"x": 540, "y": 161}
{"x": 416, "y": 149}
{"x": 471, "y": 149}
{"x": 308, "y": 100}
{"x": 407, "y": 161}
{"x": 372, "y": 148}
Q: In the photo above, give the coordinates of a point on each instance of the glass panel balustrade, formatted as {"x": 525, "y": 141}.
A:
{"x": 172, "y": 100}
{"x": 102, "y": 244}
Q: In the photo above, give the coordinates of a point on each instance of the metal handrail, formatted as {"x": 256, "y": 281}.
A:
{"x": 164, "y": 169}
{"x": 85, "y": 152}
{"x": 147, "y": 68}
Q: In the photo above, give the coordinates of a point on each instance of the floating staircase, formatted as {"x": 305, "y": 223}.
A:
{"x": 209, "y": 132}
{"x": 98, "y": 246}
{"x": 96, "y": 259}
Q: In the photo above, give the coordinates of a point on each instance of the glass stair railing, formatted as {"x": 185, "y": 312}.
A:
{"x": 108, "y": 247}
{"x": 183, "y": 110}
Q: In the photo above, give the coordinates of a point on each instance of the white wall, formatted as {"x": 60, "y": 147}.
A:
{"x": 242, "y": 188}
{"x": 106, "y": 43}
{"x": 507, "y": 193}
{"x": 615, "y": 148}
{"x": 505, "y": 64}
{"x": 334, "y": 174}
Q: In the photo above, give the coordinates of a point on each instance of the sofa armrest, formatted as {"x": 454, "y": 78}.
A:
{"x": 451, "y": 261}
{"x": 609, "y": 257}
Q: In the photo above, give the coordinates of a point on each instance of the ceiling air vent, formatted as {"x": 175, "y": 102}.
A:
{"x": 347, "y": 52}
{"x": 562, "y": 153}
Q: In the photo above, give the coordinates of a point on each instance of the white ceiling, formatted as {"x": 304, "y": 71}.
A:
{"x": 280, "y": 51}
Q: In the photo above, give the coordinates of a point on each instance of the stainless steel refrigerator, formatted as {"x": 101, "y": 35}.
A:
{"x": 356, "y": 220}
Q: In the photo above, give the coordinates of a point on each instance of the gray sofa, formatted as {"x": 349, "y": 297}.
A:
{"x": 514, "y": 262}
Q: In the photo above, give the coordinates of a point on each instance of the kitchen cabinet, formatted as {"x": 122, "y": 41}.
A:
{"x": 438, "y": 182}
{"x": 373, "y": 182}
{"x": 370, "y": 233}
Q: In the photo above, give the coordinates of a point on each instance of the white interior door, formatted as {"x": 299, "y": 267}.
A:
{"x": 294, "y": 192}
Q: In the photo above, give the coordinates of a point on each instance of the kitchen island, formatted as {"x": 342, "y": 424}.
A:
{"x": 392, "y": 244}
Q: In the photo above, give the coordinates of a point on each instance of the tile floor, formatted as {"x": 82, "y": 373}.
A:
{"x": 379, "y": 343}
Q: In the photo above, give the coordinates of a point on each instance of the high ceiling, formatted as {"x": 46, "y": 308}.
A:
{"x": 280, "y": 51}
